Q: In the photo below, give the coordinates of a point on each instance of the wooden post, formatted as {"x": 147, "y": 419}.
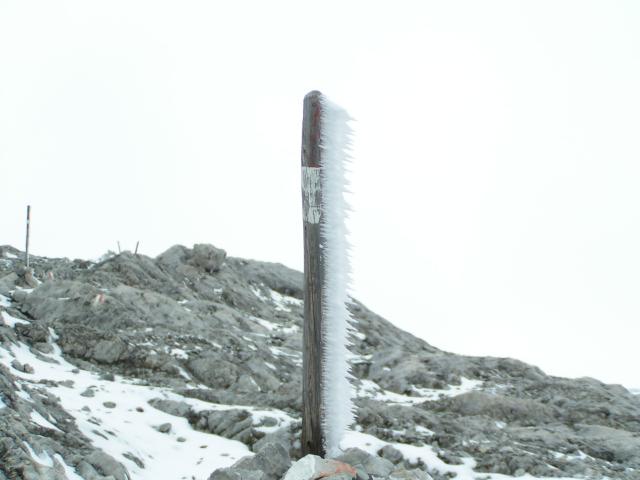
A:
{"x": 136, "y": 251}
{"x": 26, "y": 250}
{"x": 119, "y": 251}
{"x": 312, "y": 434}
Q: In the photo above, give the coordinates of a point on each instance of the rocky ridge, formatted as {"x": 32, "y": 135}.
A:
{"x": 187, "y": 365}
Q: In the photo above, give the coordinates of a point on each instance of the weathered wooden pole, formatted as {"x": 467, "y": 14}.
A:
{"x": 136, "y": 250}
{"x": 312, "y": 434}
{"x": 26, "y": 250}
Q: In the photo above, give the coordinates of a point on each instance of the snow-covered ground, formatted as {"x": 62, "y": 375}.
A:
{"x": 370, "y": 389}
{"x": 117, "y": 417}
{"x": 130, "y": 428}
{"x": 119, "y": 420}
{"x": 428, "y": 456}
{"x": 279, "y": 301}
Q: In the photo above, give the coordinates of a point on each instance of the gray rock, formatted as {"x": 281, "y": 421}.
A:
{"x": 214, "y": 371}
{"x": 17, "y": 365}
{"x": 272, "y": 459}
{"x": 87, "y": 472}
{"x": 207, "y": 257}
{"x": 312, "y": 467}
{"x": 88, "y": 392}
{"x": 390, "y": 453}
{"x": 164, "y": 428}
{"x": 508, "y": 409}
{"x": 109, "y": 351}
{"x": 8, "y": 284}
{"x": 231, "y": 473}
{"x": 22, "y": 367}
{"x": 172, "y": 407}
{"x": 33, "y": 332}
{"x": 107, "y": 466}
{"x": 370, "y": 464}
{"x": 233, "y": 424}
{"x": 283, "y": 436}
{"x": 414, "y": 474}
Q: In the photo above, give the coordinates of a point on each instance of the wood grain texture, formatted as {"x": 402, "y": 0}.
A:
{"x": 312, "y": 436}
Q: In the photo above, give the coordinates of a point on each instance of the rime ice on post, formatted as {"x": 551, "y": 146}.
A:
{"x": 327, "y": 404}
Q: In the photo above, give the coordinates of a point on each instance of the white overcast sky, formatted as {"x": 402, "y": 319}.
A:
{"x": 497, "y": 154}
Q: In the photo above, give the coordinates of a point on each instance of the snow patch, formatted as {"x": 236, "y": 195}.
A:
{"x": 42, "y": 459}
{"x": 131, "y": 427}
{"x": 424, "y": 430}
{"x": 428, "y": 456}
{"x": 125, "y": 428}
{"x": 265, "y": 323}
{"x": 282, "y": 302}
{"x": 370, "y": 389}
{"x": 11, "y": 321}
{"x": 43, "y": 422}
{"x": 256, "y": 291}
{"x": 466, "y": 385}
{"x": 69, "y": 472}
{"x": 179, "y": 353}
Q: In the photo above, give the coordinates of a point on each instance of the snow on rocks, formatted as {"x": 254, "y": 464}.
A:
{"x": 370, "y": 389}
{"x": 124, "y": 430}
{"x": 11, "y": 321}
{"x": 352, "y": 464}
{"x": 424, "y": 410}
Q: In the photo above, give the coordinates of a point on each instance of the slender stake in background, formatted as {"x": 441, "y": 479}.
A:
{"x": 312, "y": 436}
{"x": 119, "y": 251}
{"x": 26, "y": 249}
{"x": 136, "y": 251}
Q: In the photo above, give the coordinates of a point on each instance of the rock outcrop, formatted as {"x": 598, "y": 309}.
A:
{"x": 105, "y": 364}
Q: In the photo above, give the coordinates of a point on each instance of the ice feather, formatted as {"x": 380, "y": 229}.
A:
{"x": 337, "y": 391}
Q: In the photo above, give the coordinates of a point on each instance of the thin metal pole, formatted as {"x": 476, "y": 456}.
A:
{"x": 312, "y": 434}
{"x": 26, "y": 250}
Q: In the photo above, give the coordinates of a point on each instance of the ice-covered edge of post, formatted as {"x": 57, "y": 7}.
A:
{"x": 337, "y": 389}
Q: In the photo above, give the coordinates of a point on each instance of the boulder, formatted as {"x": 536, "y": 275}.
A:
{"x": 312, "y": 467}
{"x": 367, "y": 464}
{"x": 269, "y": 463}
{"x": 272, "y": 459}
{"x": 202, "y": 257}
{"x": 106, "y": 465}
{"x": 391, "y": 453}
{"x": 414, "y": 474}
{"x": 207, "y": 257}
{"x": 109, "y": 351}
{"x": 231, "y": 473}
